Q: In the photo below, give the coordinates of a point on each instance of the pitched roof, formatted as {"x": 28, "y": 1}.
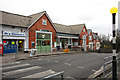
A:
{"x": 14, "y": 19}
{"x": 34, "y": 17}
{"x": 63, "y": 28}
{"x": 95, "y": 36}
{"x": 27, "y": 21}
{"x": 89, "y": 30}
{"x": 76, "y": 29}
{"x": 18, "y": 20}
{"x": 71, "y": 29}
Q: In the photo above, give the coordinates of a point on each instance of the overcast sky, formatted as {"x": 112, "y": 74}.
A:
{"x": 94, "y": 13}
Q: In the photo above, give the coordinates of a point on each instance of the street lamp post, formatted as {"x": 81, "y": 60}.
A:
{"x": 114, "y": 10}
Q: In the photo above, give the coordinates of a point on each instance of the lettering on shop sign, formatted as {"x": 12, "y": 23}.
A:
{"x": 13, "y": 34}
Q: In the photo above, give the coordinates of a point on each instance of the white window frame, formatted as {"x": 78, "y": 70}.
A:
{"x": 83, "y": 30}
{"x": 90, "y": 37}
{"x": 43, "y": 22}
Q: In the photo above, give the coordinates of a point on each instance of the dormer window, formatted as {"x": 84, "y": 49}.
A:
{"x": 44, "y": 22}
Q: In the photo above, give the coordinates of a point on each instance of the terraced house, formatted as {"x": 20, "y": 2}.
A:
{"x": 37, "y": 31}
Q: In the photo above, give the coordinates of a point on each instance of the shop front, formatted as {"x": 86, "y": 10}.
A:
{"x": 43, "y": 41}
{"x": 13, "y": 42}
{"x": 66, "y": 40}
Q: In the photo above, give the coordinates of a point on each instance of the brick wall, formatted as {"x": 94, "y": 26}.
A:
{"x": 37, "y": 26}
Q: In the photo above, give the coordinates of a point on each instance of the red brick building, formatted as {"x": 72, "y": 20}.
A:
{"x": 96, "y": 41}
{"x": 45, "y": 36}
{"x": 42, "y": 33}
{"x": 37, "y": 31}
{"x": 90, "y": 39}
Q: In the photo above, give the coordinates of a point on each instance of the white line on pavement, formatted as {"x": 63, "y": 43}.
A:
{"x": 10, "y": 63}
{"x": 16, "y": 66}
{"x": 17, "y": 62}
{"x": 94, "y": 70}
{"x": 67, "y": 64}
{"x": 48, "y": 60}
{"x": 21, "y": 70}
{"x": 39, "y": 59}
{"x": 80, "y": 67}
{"x": 56, "y": 61}
{"x": 57, "y": 57}
{"x": 40, "y": 75}
{"x": 67, "y": 60}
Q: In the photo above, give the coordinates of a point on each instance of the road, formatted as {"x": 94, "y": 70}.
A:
{"x": 74, "y": 66}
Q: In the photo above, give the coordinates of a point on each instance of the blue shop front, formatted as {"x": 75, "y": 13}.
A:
{"x": 13, "y": 42}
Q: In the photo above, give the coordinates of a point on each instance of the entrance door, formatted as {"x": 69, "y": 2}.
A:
{"x": 20, "y": 45}
{"x": 43, "y": 42}
{"x": 64, "y": 42}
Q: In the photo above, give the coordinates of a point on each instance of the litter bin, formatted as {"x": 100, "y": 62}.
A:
{"x": 32, "y": 52}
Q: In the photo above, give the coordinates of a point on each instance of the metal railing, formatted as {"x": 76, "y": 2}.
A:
{"x": 107, "y": 67}
{"x": 55, "y": 75}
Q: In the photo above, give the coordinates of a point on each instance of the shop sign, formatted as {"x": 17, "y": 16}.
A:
{"x": 13, "y": 33}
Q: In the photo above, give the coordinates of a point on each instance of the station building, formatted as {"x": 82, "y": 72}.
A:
{"x": 45, "y": 36}
{"x": 37, "y": 31}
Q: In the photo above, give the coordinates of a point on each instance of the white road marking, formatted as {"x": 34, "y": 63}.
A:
{"x": 80, "y": 67}
{"x": 39, "y": 59}
{"x": 57, "y": 57}
{"x": 94, "y": 70}
{"x": 35, "y": 57}
{"x": 40, "y": 75}
{"x": 21, "y": 70}
{"x": 71, "y": 78}
{"x": 67, "y": 64}
{"x": 16, "y": 66}
{"x": 67, "y": 60}
{"x": 11, "y": 63}
{"x": 17, "y": 62}
{"x": 56, "y": 61}
{"x": 48, "y": 60}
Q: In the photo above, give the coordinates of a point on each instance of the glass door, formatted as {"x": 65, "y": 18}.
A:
{"x": 43, "y": 42}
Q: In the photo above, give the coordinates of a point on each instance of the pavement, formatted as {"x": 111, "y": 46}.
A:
{"x": 75, "y": 66}
{"x": 20, "y": 56}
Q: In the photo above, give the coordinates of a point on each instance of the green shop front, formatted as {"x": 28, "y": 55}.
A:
{"x": 43, "y": 41}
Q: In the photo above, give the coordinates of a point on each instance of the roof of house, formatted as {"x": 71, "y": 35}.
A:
{"x": 35, "y": 17}
{"x": 77, "y": 29}
{"x": 19, "y": 20}
{"x": 71, "y": 29}
{"x": 62, "y": 28}
{"x": 14, "y": 19}
{"x": 27, "y": 21}
{"x": 95, "y": 36}
{"x": 89, "y": 30}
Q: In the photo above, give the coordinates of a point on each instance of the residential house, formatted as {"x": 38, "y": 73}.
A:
{"x": 90, "y": 39}
{"x": 96, "y": 41}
